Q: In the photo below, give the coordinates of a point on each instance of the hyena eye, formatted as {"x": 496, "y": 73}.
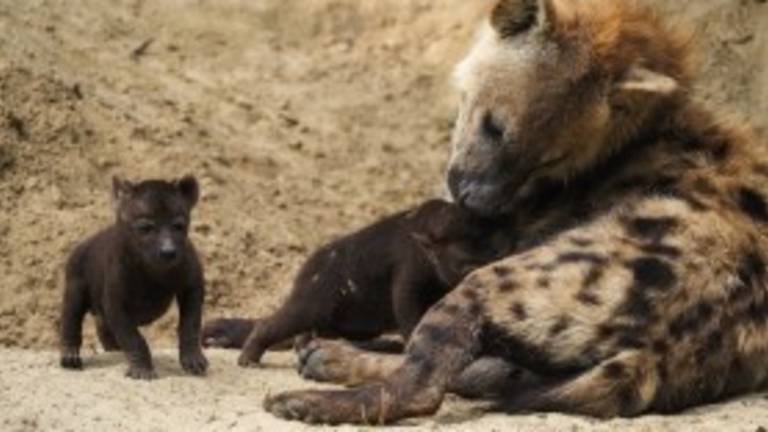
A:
{"x": 144, "y": 227}
{"x": 491, "y": 128}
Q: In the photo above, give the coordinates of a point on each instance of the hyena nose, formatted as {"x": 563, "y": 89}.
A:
{"x": 457, "y": 185}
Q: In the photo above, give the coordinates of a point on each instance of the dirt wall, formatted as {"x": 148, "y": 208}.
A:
{"x": 301, "y": 119}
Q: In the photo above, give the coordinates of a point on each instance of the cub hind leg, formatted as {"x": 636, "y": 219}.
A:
{"x": 105, "y": 335}
{"x": 228, "y": 333}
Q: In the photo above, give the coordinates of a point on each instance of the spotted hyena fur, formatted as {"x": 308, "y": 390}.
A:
{"x": 639, "y": 281}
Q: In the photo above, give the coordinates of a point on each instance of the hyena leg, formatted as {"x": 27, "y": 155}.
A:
{"x": 340, "y": 362}
{"x": 74, "y": 308}
{"x": 444, "y": 343}
{"x": 492, "y": 377}
{"x": 105, "y": 335}
{"x": 624, "y": 385}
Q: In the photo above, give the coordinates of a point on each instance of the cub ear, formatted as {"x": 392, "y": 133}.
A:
{"x": 121, "y": 189}
{"x": 189, "y": 189}
{"x": 640, "y": 80}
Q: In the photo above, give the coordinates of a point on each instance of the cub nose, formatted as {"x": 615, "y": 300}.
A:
{"x": 168, "y": 253}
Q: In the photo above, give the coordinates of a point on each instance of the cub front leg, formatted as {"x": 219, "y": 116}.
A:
{"x": 74, "y": 308}
{"x": 129, "y": 339}
{"x": 191, "y": 355}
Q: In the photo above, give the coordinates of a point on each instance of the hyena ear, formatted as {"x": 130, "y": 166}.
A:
{"x": 512, "y": 17}
{"x": 639, "y": 80}
{"x": 121, "y": 189}
{"x": 548, "y": 16}
{"x": 189, "y": 189}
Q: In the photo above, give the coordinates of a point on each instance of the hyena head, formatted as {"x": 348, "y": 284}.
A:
{"x": 154, "y": 217}
{"x": 551, "y": 88}
{"x": 454, "y": 241}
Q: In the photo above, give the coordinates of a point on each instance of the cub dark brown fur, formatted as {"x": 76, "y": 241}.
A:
{"x": 128, "y": 274}
{"x": 381, "y": 278}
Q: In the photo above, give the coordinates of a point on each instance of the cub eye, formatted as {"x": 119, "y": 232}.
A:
{"x": 179, "y": 225}
{"x": 491, "y": 128}
{"x": 144, "y": 226}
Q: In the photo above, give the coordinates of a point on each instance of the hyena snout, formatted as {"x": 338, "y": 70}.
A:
{"x": 457, "y": 185}
{"x": 473, "y": 192}
{"x": 487, "y": 194}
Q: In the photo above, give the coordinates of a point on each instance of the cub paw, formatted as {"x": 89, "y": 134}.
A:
{"x": 70, "y": 359}
{"x": 194, "y": 363}
{"x": 247, "y": 361}
{"x": 141, "y": 373}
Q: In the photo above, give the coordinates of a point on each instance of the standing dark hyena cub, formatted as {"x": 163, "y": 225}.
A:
{"x": 128, "y": 274}
{"x": 381, "y": 278}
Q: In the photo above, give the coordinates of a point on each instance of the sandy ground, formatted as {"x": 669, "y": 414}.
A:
{"x": 302, "y": 119}
{"x": 36, "y": 395}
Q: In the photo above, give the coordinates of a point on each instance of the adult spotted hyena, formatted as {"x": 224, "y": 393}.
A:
{"x": 639, "y": 282}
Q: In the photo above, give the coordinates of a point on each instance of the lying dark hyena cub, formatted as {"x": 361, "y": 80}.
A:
{"x": 381, "y": 278}
{"x": 128, "y": 274}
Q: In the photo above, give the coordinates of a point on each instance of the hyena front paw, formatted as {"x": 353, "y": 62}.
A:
{"x": 70, "y": 358}
{"x": 194, "y": 363}
{"x": 363, "y": 405}
{"x": 292, "y": 406}
{"x": 325, "y": 360}
{"x": 141, "y": 373}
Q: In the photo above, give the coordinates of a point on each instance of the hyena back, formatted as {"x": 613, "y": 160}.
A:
{"x": 639, "y": 280}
